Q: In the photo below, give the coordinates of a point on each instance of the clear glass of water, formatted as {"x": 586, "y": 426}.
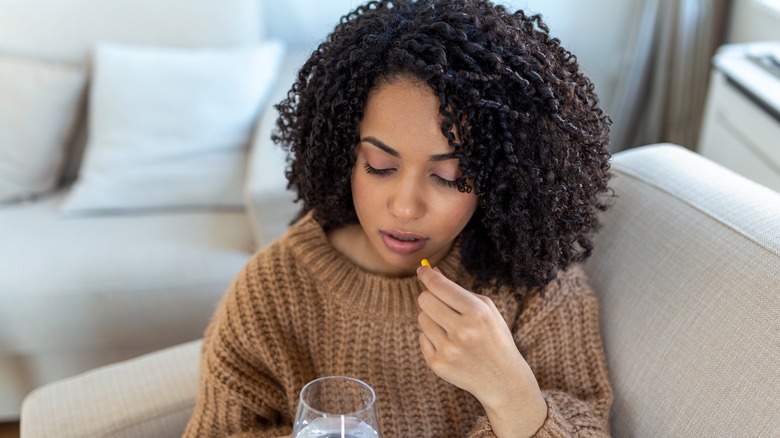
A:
{"x": 336, "y": 407}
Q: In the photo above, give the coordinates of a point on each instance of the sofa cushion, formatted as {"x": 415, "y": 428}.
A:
{"x": 68, "y": 30}
{"x": 88, "y": 283}
{"x": 39, "y": 102}
{"x": 687, "y": 270}
{"x": 171, "y": 127}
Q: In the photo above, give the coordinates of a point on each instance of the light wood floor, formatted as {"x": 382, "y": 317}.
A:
{"x": 9, "y": 430}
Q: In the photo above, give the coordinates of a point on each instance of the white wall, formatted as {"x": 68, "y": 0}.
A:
{"x": 313, "y": 19}
{"x": 754, "y": 20}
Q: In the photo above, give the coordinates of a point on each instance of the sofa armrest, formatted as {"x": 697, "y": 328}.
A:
{"x": 687, "y": 271}
{"x": 152, "y": 395}
{"x": 270, "y": 205}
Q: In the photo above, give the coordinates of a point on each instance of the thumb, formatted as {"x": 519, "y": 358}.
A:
{"x": 428, "y": 275}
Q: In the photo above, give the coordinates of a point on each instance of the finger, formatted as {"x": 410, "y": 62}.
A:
{"x": 435, "y": 332}
{"x": 447, "y": 290}
{"x": 442, "y": 314}
{"x": 427, "y": 348}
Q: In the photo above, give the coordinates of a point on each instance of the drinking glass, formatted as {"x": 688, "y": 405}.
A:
{"x": 336, "y": 407}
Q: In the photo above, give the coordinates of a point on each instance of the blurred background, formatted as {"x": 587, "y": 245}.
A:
{"x": 107, "y": 284}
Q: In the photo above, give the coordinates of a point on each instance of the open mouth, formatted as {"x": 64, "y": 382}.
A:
{"x": 404, "y": 239}
{"x": 403, "y": 243}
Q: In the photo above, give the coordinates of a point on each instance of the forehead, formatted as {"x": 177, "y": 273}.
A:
{"x": 406, "y": 92}
{"x": 403, "y": 112}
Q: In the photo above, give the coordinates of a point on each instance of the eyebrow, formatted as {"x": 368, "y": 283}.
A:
{"x": 381, "y": 145}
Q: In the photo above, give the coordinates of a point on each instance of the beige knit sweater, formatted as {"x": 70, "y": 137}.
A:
{"x": 300, "y": 310}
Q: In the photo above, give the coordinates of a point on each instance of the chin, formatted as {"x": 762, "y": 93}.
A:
{"x": 400, "y": 264}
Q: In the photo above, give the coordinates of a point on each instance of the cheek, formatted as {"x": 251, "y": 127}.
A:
{"x": 467, "y": 209}
{"x": 356, "y": 187}
{"x": 361, "y": 191}
{"x": 457, "y": 212}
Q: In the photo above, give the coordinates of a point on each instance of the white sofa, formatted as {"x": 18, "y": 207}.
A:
{"x": 77, "y": 292}
{"x": 687, "y": 271}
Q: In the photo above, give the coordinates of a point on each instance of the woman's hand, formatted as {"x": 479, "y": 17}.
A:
{"x": 466, "y": 342}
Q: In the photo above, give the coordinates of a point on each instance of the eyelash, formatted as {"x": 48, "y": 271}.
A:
{"x": 374, "y": 171}
{"x": 381, "y": 172}
{"x": 445, "y": 182}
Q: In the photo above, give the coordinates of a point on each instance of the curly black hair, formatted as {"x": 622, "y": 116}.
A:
{"x": 532, "y": 141}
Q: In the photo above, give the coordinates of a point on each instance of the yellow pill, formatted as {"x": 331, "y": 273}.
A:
{"x": 425, "y": 262}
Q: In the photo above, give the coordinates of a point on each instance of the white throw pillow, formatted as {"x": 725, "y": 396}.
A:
{"x": 39, "y": 104}
{"x": 171, "y": 127}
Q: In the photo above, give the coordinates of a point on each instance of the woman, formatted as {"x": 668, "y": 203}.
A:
{"x": 449, "y": 130}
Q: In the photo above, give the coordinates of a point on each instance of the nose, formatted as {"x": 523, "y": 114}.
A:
{"x": 406, "y": 201}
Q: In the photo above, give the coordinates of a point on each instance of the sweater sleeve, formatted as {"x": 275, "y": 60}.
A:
{"x": 239, "y": 395}
{"x": 559, "y": 337}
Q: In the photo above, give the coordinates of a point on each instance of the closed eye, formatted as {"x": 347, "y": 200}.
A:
{"x": 374, "y": 171}
{"x": 371, "y": 170}
{"x": 445, "y": 182}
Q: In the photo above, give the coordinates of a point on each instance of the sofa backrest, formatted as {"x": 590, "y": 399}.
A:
{"x": 66, "y": 31}
{"x": 687, "y": 270}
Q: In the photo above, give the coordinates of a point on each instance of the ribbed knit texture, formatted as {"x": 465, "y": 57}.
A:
{"x": 300, "y": 310}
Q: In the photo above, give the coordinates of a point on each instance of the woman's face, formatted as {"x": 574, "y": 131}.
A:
{"x": 403, "y": 183}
